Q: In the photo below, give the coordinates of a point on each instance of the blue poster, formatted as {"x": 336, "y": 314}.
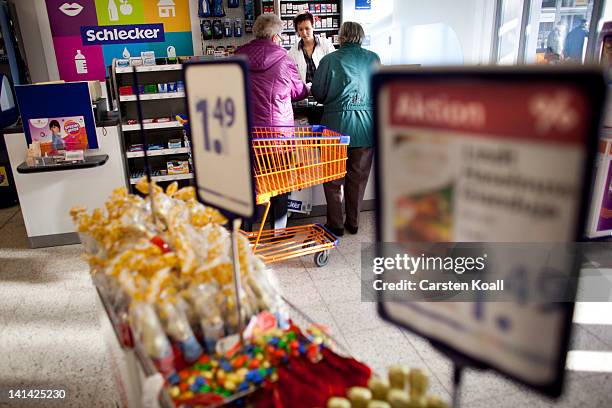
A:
{"x": 363, "y": 4}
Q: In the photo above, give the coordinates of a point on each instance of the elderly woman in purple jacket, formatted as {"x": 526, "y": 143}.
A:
{"x": 275, "y": 83}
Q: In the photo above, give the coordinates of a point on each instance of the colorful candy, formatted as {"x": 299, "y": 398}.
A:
{"x": 378, "y": 404}
{"x": 359, "y": 397}
{"x": 379, "y": 388}
{"x": 337, "y": 402}
{"x": 418, "y": 384}
{"x": 239, "y": 372}
{"x": 398, "y": 399}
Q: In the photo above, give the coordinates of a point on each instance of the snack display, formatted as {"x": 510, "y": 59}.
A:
{"x": 176, "y": 259}
{"x": 163, "y": 262}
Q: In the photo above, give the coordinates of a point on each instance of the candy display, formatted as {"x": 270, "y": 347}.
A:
{"x": 163, "y": 262}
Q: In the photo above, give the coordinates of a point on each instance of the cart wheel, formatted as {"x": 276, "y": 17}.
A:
{"x": 321, "y": 258}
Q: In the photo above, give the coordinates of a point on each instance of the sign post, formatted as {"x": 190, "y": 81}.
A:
{"x": 487, "y": 156}
{"x": 219, "y": 120}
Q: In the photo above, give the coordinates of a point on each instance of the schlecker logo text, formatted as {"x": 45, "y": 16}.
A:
{"x": 122, "y": 34}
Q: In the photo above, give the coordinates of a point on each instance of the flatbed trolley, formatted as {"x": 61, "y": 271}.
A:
{"x": 287, "y": 159}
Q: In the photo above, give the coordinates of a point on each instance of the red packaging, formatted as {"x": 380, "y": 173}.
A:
{"x": 125, "y": 90}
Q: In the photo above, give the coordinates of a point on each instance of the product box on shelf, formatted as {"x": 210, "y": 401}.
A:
{"x": 178, "y": 167}
{"x": 135, "y": 61}
{"x": 148, "y": 57}
{"x": 150, "y": 88}
{"x": 125, "y": 90}
{"x": 174, "y": 144}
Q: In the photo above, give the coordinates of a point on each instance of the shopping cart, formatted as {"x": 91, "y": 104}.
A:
{"x": 288, "y": 159}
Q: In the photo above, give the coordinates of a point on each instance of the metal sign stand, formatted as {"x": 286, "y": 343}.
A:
{"x": 145, "y": 143}
{"x": 235, "y": 229}
{"x": 460, "y": 363}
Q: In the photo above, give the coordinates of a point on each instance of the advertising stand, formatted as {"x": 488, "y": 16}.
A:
{"x": 458, "y": 164}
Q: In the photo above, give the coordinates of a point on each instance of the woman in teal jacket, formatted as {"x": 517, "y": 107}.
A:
{"x": 342, "y": 84}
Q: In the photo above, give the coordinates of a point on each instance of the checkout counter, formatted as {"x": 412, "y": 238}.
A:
{"x": 312, "y": 200}
{"x": 47, "y": 193}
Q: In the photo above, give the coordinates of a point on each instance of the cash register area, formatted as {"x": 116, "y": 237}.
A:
{"x": 56, "y": 335}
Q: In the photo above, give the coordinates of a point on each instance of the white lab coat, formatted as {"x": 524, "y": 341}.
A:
{"x": 324, "y": 47}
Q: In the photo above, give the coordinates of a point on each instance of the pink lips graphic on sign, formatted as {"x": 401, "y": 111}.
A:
{"x": 71, "y": 9}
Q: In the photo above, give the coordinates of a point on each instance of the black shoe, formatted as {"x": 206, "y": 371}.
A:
{"x": 336, "y": 231}
{"x": 351, "y": 230}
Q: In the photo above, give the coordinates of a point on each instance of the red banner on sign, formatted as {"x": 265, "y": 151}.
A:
{"x": 548, "y": 113}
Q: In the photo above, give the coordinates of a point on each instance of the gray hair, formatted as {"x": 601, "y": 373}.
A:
{"x": 267, "y": 25}
{"x": 351, "y": 32}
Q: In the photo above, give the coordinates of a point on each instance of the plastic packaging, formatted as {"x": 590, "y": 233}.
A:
{"x": 207, "y": 31}
{"x": 204, "y": 8}
{"x": 155, "y": 343}
{"x": 177, "y": 327}
{"x": 237, "y": 28}
{"x": 217, "y": 29}
{"x": 227, "y": 28}
{"x": 218, "y": 10}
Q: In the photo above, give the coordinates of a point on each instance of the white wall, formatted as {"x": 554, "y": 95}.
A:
{"x": 36, "y": 35}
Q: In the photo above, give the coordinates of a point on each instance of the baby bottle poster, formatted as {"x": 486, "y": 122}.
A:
{"x": 89, "y": 34}
{"x": 67, "y": 133}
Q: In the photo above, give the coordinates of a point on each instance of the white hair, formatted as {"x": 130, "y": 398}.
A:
{"x": 267, "y": 25}
{"x": 351, "y": 32}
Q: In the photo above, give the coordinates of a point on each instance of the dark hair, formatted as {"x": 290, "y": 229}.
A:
{"x": 54, "y": 123}
{"x": 300, "y": 18}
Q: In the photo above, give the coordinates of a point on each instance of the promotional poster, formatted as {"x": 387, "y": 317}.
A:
{"x": 67, "y": 133}
{"x": 88, "y": 34}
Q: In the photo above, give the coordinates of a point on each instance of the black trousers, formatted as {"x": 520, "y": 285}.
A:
{"x": 358, "y": 165}
{"x": 277, "y": 215}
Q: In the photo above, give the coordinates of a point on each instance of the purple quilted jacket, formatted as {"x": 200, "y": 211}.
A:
{"x": 275, "y": 82}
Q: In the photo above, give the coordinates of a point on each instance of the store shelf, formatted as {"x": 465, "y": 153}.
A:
{"x": 165, "y": 125}
{"x": 165, "y": 178}
{"x": 313, "y": 14}
{"x": 149, "y": 97}
{"x": 160, "y": 152}
{"x": 315, "y": 30}
{"x": 149, "y": 68}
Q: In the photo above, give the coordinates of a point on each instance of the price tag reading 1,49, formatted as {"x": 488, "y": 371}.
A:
{"x": 219, "y": 122}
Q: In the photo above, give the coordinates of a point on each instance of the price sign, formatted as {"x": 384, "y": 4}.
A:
{"x": 488, "y": 156}
{"x": 219, "y": 119}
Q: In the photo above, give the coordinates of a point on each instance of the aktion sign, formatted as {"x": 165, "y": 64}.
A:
{"x": 487, "y": 156}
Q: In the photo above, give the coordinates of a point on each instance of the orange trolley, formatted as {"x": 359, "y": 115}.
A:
{"x": 287, "y": 159}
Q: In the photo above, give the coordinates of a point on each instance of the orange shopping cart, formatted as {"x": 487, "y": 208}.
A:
{"x": 288, "y": 159}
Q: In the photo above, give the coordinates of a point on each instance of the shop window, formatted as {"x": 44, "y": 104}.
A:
{"x": 545, "y": 31}
{"x": 508, "y": 31}
{"x": 558, "y": 31}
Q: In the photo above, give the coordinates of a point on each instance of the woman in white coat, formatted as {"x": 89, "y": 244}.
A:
{"x": 309, "y": 50}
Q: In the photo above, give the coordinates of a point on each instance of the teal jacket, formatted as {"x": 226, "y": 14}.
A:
{"x": 342, "y": 84}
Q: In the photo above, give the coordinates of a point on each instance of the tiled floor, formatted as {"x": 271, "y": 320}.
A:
{"x": 52, "y": 328}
